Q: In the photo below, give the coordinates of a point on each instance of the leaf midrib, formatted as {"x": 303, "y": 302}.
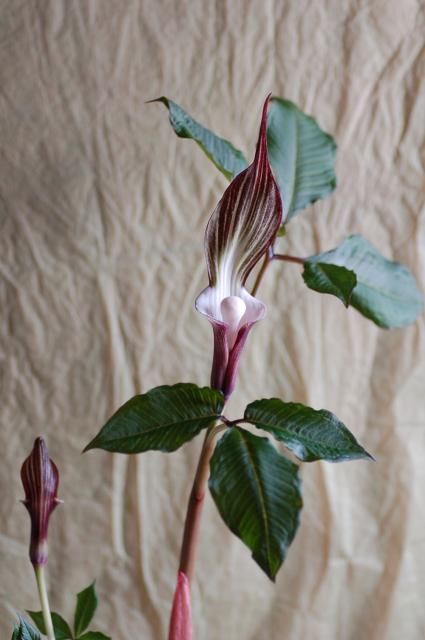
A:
{"x": 81, "y": 625}
{"x": 163, "y": 426}
{"x": 383, "y": 293}
{"x": 291, "y": 435}
{"x": 367, "y": 284}
{"x": 262, "y": 499}
{"x": 296, "y": 162}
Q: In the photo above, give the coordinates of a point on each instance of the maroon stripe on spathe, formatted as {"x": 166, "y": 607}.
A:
{"x": 246, "y": 220}
{"x": 40, "y": 479}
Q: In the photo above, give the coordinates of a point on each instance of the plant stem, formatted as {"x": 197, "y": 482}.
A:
{"x": 195, "y": 506}
{"x": 286, "y": 258}
{"x": 44, "y": 601}
{"x": 268, "y": 257}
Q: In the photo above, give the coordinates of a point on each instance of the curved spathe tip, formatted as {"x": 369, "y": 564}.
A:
{"x": 246, "y": 220}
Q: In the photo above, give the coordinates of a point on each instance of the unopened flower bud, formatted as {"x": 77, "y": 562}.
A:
{"x": 40, "y": 478}
{"x": 181, "y": 613}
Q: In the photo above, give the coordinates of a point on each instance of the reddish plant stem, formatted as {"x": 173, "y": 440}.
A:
{"x": 268, "y": 257}
{"x": 197, "y": 494}
{"x": 286, "y": 258}
{"x": 194, "y": 508}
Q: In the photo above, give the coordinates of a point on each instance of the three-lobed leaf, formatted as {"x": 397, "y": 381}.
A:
{"x": 385, "y": 292}
{"x": 301, "y": 154}
{"x": 60, "y": 626}
{"x": 86, "y": 606}
{"x": 229, "y": 160}
{"x": 162, "y": 419}
{"x": 257, "y": 492}
{"x": 24, "y": 630}
{"x": 308, "y": 433}
{"x": 329, "y": 278}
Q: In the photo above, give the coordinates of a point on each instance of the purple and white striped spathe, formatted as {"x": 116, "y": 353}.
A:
{"x": 40, "y": 479}
{"x": 239, "y": 232}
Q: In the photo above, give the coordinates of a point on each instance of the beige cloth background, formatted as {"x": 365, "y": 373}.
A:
{"x": 102, "y": 217}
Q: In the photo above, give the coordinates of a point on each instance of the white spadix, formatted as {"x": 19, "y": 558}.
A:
{"x": 232, "y": 309}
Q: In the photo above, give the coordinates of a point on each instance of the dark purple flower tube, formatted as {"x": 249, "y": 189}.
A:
{"x": 40, "y": 478}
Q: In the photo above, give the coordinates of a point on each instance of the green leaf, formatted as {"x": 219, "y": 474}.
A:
{"x": 309, "y": 434}
{"x": 85, "y": 609}
{"x": 329, "y": 278}
{"x": 257, "y": 492}
{"x": 37, "y": 617}
{"x": 301, "y": 154}
{"x": 60, "y": 626}
{"x": 162, "y": 419}
{"x": 229, "y": 160}
{"x": 93, "y": 635}
{"x": 23, "y": 630}
{"x": 385, "y": 292}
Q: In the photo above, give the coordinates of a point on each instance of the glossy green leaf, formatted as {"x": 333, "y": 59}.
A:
{"x": 162, "y": 419}
{"x": 93, "y": 635}
{"x": 60, "y": 626}
{"x": 85, "y": 609}
{"x": 329, "y": 278}
{"x": 309, "y": 434}
{"x": 301, "y": 154}
{"x": 386, "y": 292}
{"x": 23, "y": 630}
{"x": 257, "y": 492}
{"x": 229, "y": 160}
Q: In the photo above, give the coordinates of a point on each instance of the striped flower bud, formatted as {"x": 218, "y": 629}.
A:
{"x": 40, "y": 479}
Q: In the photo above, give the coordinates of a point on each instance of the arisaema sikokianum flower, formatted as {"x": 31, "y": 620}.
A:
{"x": 240, "y": 231}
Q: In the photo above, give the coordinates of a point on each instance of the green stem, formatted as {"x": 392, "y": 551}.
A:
{"x": 44, "y": 601}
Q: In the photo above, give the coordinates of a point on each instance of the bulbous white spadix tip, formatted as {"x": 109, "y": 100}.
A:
{"x": 232, "y": 309}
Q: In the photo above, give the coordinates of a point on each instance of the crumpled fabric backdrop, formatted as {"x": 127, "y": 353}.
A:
{"x": 102, "y": 215}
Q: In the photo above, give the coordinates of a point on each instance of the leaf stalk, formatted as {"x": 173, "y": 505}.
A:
{"x": 268, "y": 257}
{"x": 286, "y": 258}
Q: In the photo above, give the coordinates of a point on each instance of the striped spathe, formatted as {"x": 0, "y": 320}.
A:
{"x": 40, "y": 479}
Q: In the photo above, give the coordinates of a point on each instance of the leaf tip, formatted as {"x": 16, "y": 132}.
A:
{"x": 162, "y": 99}
{"x": 362, "y": 454}
{"x": 90, "y": 445}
